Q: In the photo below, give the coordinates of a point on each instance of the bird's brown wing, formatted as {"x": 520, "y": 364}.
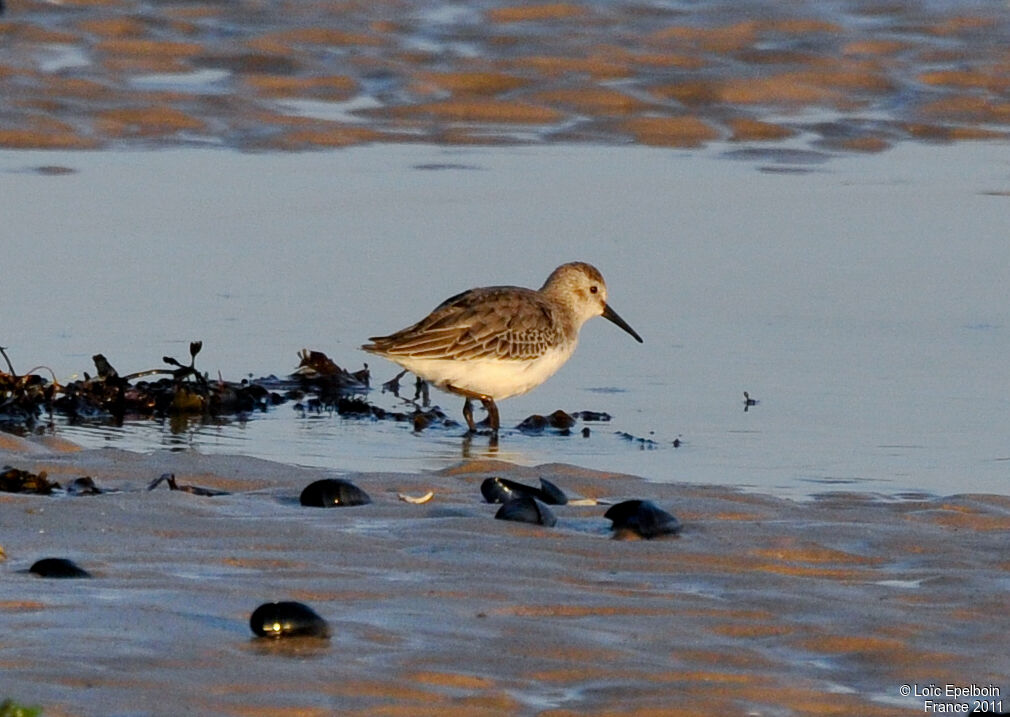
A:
{"x": 497, "y": 322}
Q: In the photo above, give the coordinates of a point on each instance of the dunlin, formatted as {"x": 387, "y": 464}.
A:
{"x": 500, "y": 341}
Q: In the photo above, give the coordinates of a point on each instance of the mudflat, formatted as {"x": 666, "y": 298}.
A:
{"x": 848, "y": 76}
{"x": 761, "y": 606}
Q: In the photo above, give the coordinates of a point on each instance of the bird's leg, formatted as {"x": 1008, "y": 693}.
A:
{"x": 468, "y": 415}
{"x": 486, "y": 401}
{"x": 492, "y": 412}
{"x": 421, "y": 391}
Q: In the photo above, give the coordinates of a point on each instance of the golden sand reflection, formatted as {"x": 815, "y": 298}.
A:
{"x": 615, "y": 72}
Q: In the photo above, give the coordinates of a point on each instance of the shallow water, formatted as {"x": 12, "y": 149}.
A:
{"x": 861, "y": 300}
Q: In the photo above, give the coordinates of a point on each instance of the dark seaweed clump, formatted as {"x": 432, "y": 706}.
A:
{"x": 558, "y": 421}
{"x": 181, "y": 393}
{"x": 83, "y": 486}
{"x": 177, "y": 389}
{"x": 22, "y": 398}
{"x": 15, "y": 480}
{"x": 169, "y": 480}
{"x": 325, "y": 386}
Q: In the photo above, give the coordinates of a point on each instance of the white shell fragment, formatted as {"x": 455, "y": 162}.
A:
{"x": 415, "y": 499}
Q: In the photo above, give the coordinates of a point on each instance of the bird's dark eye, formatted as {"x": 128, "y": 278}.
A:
{"x": 593, "y": 289}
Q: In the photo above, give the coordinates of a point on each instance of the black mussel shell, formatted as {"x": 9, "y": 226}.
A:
{"x": 551, "y": 494}
{"x": 287, "y": 619}
{"x": 642, "y": 517}
{"x": 500, "y": 490}
{"x": 526, "y": 509}
{"x": 58, "y": 568}
{"x": 331, "y": 492}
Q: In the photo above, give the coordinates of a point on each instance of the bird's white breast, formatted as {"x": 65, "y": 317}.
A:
{"x": 498, "y": 378}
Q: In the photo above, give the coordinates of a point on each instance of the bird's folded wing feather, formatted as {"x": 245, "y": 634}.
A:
{"x": 498, "y": 322}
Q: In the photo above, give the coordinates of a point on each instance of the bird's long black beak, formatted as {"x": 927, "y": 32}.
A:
{"x": 611, "y": 315}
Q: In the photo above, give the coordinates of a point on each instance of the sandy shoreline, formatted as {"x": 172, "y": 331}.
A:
{"x": 763, "y": 605}
{"x": 851, "y": 77}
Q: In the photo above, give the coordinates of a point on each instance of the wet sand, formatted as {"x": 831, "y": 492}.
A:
{"x": 848, "y": 76}
{"x": 762, "y": 606}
